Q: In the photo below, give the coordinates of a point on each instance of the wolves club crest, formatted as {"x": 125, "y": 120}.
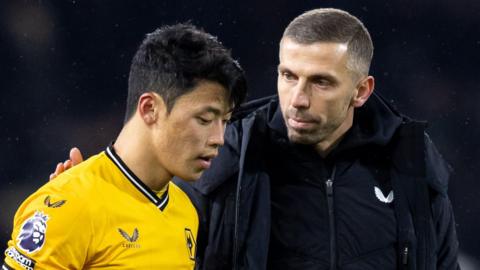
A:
{"x": 191, "y": 244}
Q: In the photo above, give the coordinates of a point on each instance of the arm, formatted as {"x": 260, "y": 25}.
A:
{"x": 438, "y": 174}
{"x": 51, "y": 230}
{"x": 447, "y": 242}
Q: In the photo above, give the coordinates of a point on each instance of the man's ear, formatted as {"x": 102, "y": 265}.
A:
{"x": 364, "y": 90}
{"x": 150, "y": 107}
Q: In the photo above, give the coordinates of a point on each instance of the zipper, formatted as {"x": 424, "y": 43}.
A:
{"x": 331, "y": 219}
{"x": 405, "y": 256}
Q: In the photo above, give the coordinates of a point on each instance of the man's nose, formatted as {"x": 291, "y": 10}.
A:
{"x": 300, "y": 97}
{"x": 216, "y": 138}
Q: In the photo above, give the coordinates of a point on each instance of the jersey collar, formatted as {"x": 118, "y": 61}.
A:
{"x": 160, "y": 202}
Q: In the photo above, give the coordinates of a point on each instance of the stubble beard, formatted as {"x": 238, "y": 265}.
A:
{"x": 309, "y": 137}
{"x": 322, "y": 132}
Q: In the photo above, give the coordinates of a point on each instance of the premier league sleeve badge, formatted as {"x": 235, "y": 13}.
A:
{"x": 32, "y": 234}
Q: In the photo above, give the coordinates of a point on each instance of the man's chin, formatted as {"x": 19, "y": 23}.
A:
{"x": 192, "y": 177}
{"x": 302, "y": 138}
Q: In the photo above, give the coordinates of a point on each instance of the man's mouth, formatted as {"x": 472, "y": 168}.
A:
{"x": 206, "y": 161}
{"x": 300, "y": 123}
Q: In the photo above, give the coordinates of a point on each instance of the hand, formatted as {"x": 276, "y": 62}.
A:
{"x": 75, "y": 159}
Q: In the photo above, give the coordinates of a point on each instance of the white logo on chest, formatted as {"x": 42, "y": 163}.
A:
{"x": 382, "y": 198}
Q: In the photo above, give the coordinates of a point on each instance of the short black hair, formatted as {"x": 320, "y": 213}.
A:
{"x": 335, "y": 25}
{"x": 173, "y": 59}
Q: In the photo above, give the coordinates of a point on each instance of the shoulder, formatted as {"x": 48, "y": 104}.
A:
{"x": 438, "y": 171}
{"x": 255, "y": 107}
{"x": 65, "y": 196}
{"x": 414, "y": 153}
{"x": 253, "y": 115}
{"x": 78, "y": 182}
{"x": 54, "y": 225}
{"x": 49, "y": 219}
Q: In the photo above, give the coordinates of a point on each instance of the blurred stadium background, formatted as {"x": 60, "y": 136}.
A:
{"x": 64, "y": 67}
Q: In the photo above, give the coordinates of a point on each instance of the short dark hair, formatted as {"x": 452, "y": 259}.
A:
{"x": 335, "y": 25}
{"x": 173, "y": 59}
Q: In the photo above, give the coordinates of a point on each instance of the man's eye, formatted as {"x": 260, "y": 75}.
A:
{"x": 204, "y": 121}
{"x": 322, "y": 82}
{"x": 288, "y": 76}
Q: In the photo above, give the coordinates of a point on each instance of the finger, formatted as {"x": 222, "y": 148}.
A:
{"x": 67, "y": 164}
{"x": 75, "y": 156}
{"x": 59, "y": 168}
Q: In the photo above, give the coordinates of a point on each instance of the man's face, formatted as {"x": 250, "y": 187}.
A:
{"x": 187, "y": 139}
{"x": 316, "y": 91}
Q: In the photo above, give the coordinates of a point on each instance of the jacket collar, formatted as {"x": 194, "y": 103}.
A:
{"x": 374, "y": 123}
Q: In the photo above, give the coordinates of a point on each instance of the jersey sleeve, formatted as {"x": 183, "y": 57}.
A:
{"x": 51, "y": 230}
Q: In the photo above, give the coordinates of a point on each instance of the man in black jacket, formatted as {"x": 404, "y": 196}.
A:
{"x": 327, "y": 175}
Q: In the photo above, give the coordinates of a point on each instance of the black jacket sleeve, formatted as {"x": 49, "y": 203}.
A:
{"x": 438, "y": 172}
{"x": 447, "y": 243}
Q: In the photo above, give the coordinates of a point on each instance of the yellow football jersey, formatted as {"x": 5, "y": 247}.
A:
{"x": 100, "y": 215}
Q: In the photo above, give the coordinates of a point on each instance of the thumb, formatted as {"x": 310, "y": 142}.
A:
{"x": 75, "y": 156}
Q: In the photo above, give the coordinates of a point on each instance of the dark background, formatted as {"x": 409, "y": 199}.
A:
{"x": 64, "y": 68}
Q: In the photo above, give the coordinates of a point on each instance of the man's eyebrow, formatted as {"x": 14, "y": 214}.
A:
{"x": 284, "y": 69}
{"x": 313, "y": 77}
{"x": 211, "y": 109}
{"x": 323, "y": 76}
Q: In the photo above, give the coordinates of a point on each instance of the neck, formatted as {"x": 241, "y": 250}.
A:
{"x": 324, "y": 147}
{"x": 133, "y": 146}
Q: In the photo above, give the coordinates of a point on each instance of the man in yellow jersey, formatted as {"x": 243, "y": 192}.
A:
{"x": 119, "y": 209}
